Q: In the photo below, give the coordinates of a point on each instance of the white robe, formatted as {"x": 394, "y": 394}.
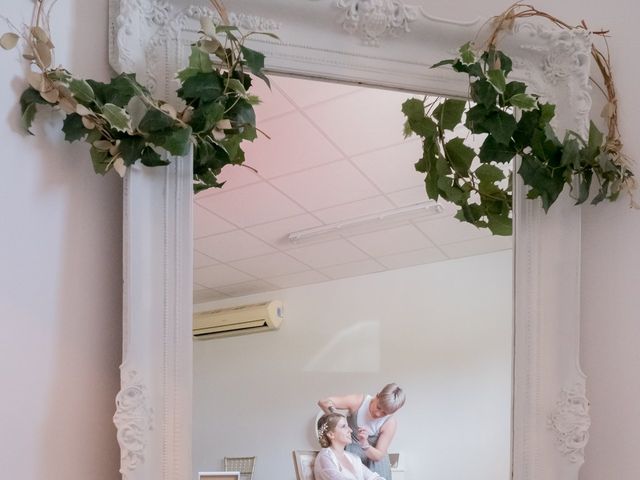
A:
{"x": 327, "y": 467}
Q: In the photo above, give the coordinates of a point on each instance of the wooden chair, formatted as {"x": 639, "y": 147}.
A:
{"x": 303, "y": 462}
{"x": 244, "y": 465}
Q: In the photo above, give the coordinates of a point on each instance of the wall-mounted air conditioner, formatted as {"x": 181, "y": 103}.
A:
{"x": 225, "y": 322}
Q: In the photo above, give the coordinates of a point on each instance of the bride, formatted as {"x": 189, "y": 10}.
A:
{"x": 333, "y": 462}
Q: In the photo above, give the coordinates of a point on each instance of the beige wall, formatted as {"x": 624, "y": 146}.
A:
{"x": 60, "y": 280}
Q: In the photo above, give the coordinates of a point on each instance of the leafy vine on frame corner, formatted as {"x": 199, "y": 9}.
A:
{"x": 124, "y": 124}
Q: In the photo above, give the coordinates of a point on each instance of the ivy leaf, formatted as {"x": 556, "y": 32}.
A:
{"x": 523, "y": 101}
{"x": 119, "y": 91}
{"x": 482, "y": 92}
{"x": 466, "y": 54}
{"x": 101, "y": 160}
{"x": 199, "y": 60}
{"x": 500, "y": 224}
{"x": 151, "y": 158}
{"x": 493, "y": 151}
{"x": 173, "y": 140}
{"x": 489, "y": 173}
{"x": 460, "y": 155}
{"x": 476, "y": 118}
{"x": 542, "y": 180}
{"x": 595, "y": 140}
{"x": 242, "y": 113}
{"x": 73, "y": 128}
{"x": 201, "y": 87}
{"x": 500, "y": 125}
{"x": 449, "y": 113}
{"x": 417, "y": 122}
{"x": 28, "y": 100}
{"x": 117, "y": 117}
{"x": 585, "y": 187}
{"x": 443, "y": 62}
{"x": 497, "y": 79}
{"x": 131, "y": 149}
{"x": 155, "y": 120}
{"x": 514, "y": 88}
{"x": 206, "y": 116}
{"x": 255, "y": 62}
{"x": 82, "y": 91}
{"x": 570, "y": 153}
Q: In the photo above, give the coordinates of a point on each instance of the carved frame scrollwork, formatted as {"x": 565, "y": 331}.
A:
{"x": 151, "y": 37}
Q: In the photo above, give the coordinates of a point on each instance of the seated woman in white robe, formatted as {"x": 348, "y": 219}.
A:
{"x": 333, "y": 462}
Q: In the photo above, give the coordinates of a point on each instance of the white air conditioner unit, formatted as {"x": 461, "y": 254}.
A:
{"x": 226, "y": 322}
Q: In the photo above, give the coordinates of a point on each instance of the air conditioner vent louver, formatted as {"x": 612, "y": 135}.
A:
{"x": 241, "y": 320}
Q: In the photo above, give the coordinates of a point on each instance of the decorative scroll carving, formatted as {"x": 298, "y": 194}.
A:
{"x": 570, "y": 421}
{"x": 374, "y": 19}
{"x": 133, "y": 419}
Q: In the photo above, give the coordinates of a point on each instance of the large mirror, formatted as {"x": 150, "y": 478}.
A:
{"x": 378, "y": 285}
{"x": 392, "y": 46}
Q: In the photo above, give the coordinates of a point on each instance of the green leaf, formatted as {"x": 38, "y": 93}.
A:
{"x": 73, "y": 128}
{"x": 82, "y": 91}
{"x": 476, "y": 118}
{"x": 570, "y": 153}
{"x": 514, "y": 88}
{"x": 500, "y": 125}
{"x": 417, "y": 122}
{"x": 101, "y": 160}
{"x": 174, "y": 140}
{"x": 151, "y": 158}
{"x": 449, "y": 113}
{"x": 547, "y": 112}
{"x": 482, "y": 92}
{"x": 459, "y": 155}
{"x": 201, "y": 87}
{"x": 155, "y": 120}
{"x": 119, "y": 91}
{"x": 443, "y": 62}
{"x": 199, "y": 60}
{"x": 255, "y": 62}
{"x": 493, "y": 151}
{"x": 466, "y": 54}
{"x": 236, "y": 85}
{"x": 542, "y": 180}
{"x": 117, "y": 117}
{"x": 28, "y": 100}
{"x": 523, "y": 101}
{"x": 497, "y": 79}
{"x": 206, "y": 116}
{"x": 585, "y": 187}
{"x": 500, "y": 224}
{"x": 241, "y": 114}
{"x": 131, "y": 149}
{"x": 489, "y": 173}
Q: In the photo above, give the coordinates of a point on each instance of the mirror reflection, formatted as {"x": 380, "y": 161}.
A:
{"x": 357, "y": 281}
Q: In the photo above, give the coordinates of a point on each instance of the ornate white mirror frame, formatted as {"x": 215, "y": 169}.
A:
{"x": 392, "y": 48}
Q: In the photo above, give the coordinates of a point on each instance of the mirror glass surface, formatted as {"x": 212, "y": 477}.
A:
{"x": 392, "y": 290}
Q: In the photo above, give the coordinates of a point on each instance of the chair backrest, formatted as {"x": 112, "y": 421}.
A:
{"x": 244, "y": 465}
{"x": 303, "y": 461}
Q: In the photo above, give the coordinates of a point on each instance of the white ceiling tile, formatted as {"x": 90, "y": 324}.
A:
{"x": 353, "y": 269}
{"x": 297, "y": 279}
{"x": 271, "y": 265}
{"x": 415, "y": 257}
{"x": 391, "y": 240}
{"x": 217, "y": 275}
{"x": 230, "y": 246}
{"x": 449, "y": 230}
{"x": 272, "y": 102}
{"x": 207, "y": 295}
{"x": 392, "y": 168}
{"x": 206, "y": 223}
{"x": 326, "y": 186}
{"x": 201, "y": 260}
{"x": 247, "y": 288}
{"x": 355, "y": 209}
{"x": 366, "y": 120}
{"x": 328, "y": 253}
{"x": 477, "y": 246}
{"x": 409, "y": 196}
{"x": 304, "y": 92}
{"x": 246, "y": 206}
{"x": 285, "y": 152}
{"x": 276, "y": 233}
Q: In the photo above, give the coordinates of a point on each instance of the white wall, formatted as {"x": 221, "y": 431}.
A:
{"x": 442, "y": 331}
{"x": 60, "y": 276}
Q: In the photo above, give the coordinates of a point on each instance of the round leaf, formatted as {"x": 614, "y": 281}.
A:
{"x": 9, "y": 40}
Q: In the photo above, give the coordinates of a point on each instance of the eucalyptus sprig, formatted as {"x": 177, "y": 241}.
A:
{"x": 503, "y": 121}
{"x": 123, "y": 123}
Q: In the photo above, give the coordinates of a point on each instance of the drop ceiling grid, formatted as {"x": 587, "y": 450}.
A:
{"x": 255, "y": 260}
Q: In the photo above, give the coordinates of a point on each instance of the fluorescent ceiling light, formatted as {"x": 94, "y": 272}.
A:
{"x": 386, "y": 217}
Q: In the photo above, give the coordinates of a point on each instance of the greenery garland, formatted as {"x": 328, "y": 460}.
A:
{"x": 516, "y": 123}
{"x": 124, "y": 124}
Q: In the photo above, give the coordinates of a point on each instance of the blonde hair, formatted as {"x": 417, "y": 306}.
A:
{"x": 327, "y": 423}
{"x": 391, "y": 398}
